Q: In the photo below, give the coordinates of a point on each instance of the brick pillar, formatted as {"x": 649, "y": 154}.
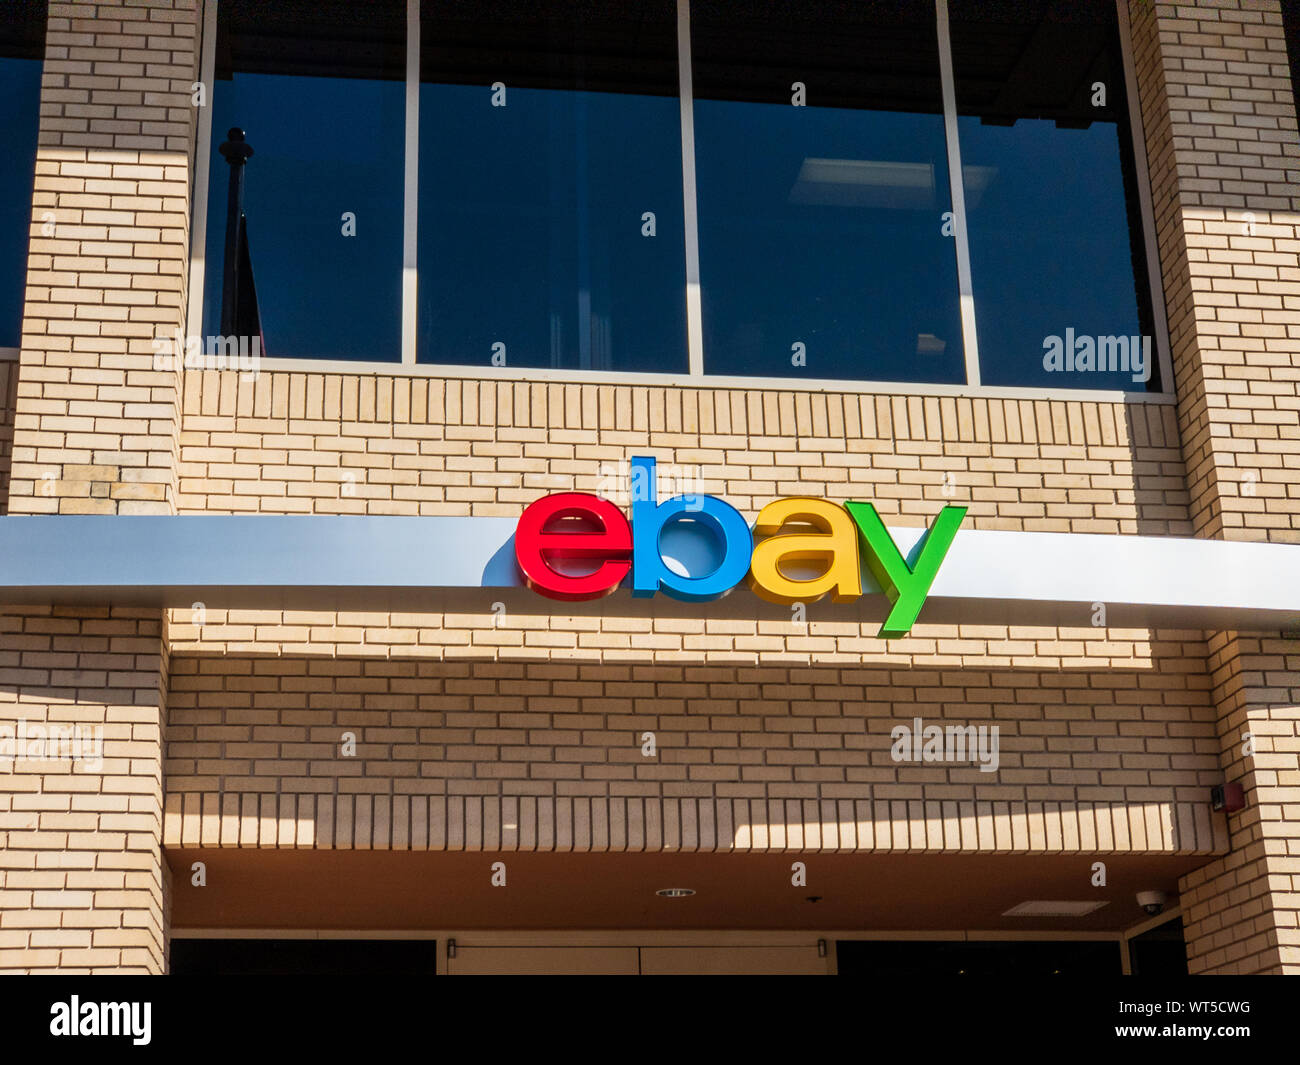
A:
{"x": 1220, "y": 125}
{"x": 95, "y": 426}
{"x": 1225, "y": 173}
{"x": 82, "y": 878}
{"x": 83, "y": 884}
{"x": 1242, "y": 912}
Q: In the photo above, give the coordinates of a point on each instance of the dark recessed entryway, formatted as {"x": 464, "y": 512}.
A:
{"x": 902, "y": 958}
{"x": 1160, "y": 951}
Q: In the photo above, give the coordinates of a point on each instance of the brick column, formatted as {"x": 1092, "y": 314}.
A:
{"x": 1220, "y": 126}
{"x": 95, "y": 426}
{"x": 83, "y": 884}
{"x": 1242, "y": 912}
{"x": 82, "y": 878}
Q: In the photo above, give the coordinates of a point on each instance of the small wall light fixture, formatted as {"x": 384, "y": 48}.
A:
{"x": 1228, "y": 797}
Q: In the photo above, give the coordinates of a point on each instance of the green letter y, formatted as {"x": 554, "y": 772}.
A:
{"x": 906, "y": 587}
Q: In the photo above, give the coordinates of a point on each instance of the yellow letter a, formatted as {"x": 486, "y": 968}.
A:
{"x": 833, "y": 544}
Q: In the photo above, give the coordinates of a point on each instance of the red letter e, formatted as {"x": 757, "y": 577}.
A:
{"x": 610, "y": 541}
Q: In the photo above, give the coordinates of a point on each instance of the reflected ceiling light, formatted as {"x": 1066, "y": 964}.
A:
{"x": 674, "y": 892}
{"x": 929, "y": 344}
{"x": 1055, "y": 908}
{"x": 975, "y": 180}
{"x": 880, "y": 183}
{"x": 864, "y": 183}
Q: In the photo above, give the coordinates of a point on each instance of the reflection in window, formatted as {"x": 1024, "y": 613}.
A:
{"x": 22, "y": 51}
{"x": 550, "y": 203}
{"x": 823, "y": 185}
{"x": 1057, "y": 259}
{"x": 319, "y": 93}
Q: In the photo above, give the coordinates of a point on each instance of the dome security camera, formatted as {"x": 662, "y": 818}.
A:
{"x": 1152, "y": 901}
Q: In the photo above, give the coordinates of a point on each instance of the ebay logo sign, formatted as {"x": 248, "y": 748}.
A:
{"x": 573, "y": 546}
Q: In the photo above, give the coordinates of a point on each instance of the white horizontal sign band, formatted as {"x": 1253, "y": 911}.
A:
{"x": 369, "y": 562}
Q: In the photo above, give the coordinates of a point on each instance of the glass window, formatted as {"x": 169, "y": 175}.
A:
{"x": 1058, "y": 264}
{"x": 317, "y": 86}
{"x": 22, "y": 51}
{"x": 550, "y": 202}
{"x": 549, "y": 221}
{"x": 826, "y": 247}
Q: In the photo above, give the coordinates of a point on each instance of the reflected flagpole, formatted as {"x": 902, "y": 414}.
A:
{"x": 240, "y": 314}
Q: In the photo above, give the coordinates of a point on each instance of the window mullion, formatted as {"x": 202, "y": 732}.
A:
{"x": 694, "y": 314}
{"x": 970, "y": 341}
{"x": 411, "y": 187}
{"x": 202, "y": 165}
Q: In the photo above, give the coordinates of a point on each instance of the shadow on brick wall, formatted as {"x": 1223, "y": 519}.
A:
{"x": 1160, "y": 490}
{"x": 410, "y": 725}
{"x": 8, "y": 401}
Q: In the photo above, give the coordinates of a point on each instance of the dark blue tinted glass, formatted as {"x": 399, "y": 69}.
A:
{"x": 550, "y": 209}
{"x": 22, "y": 46}
{"x": 823, "y": 186}
{"x": 318, "y": 89}
{"x": 1058, "y": 264}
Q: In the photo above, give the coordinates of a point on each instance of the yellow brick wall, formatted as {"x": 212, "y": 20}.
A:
{"x": 95, "y": 429}
{"x": 318, "y": 443}
{"x": 90, "y": 427}
{"x": 1110, "y": 729}
{"x": 547, "y": 706}
{"x": 1220, "y": 125}
{"x": 81, "y": 885}
{"x": 1221, "y": 132}
{"x": 1243, "y": 910}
